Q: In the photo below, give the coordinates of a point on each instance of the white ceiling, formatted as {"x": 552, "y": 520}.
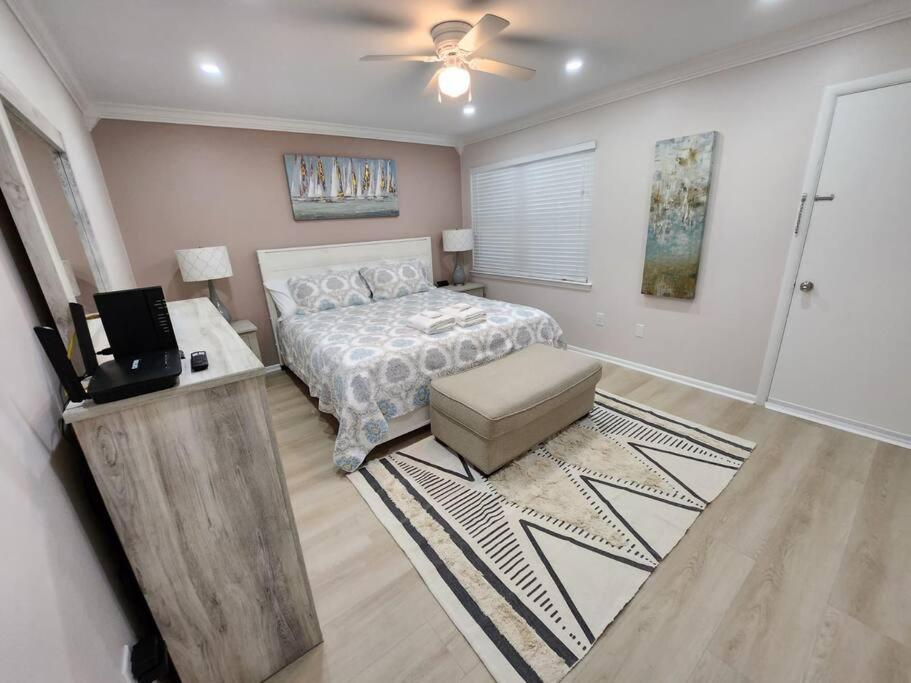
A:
{"x": 299, "y": 59}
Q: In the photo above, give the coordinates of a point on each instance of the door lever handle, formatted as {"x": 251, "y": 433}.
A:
{"x": 803, "y": 202}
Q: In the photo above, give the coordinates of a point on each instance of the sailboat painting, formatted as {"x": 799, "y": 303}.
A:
{"x": 679, "y": 199}
{"x": 324, "y": 187}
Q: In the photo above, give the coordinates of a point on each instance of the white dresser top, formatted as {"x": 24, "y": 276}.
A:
{"x": 198, "y": 326}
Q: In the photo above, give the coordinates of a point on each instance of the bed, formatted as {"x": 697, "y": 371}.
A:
{"x": 365, "y": 365}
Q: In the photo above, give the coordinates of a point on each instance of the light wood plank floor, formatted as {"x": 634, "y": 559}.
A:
{"x": 800, "y": 570}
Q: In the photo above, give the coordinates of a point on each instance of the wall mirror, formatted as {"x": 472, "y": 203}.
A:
{"x": 43, "y": 198}
{"x": 59, "y": 199}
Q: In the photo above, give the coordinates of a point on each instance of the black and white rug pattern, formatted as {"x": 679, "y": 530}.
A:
{"x": 533, "y": 562}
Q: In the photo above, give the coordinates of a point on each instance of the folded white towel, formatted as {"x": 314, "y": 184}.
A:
{"x": 468, "y": 316}
{"x": 422, "y": 323}
{"x": 458, "y": 309}
{"x": 429, "y": 313}
{"x": 472, "y": 322}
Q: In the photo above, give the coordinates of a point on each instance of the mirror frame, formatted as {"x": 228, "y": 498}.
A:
{"x": 28, "y": 215}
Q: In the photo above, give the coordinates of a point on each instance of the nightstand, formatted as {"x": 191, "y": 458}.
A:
{"x": 474, "y": 288}
{"x": 247, "y": 331}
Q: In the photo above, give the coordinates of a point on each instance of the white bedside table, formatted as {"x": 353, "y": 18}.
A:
{"x": 247, "y": 331}
{"x": 473, "y": 288}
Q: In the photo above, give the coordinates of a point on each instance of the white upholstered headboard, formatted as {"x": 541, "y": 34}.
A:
{"x": 277, "y": 264}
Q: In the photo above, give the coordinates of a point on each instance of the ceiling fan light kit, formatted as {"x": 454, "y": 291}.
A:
{"x": 454, "y": 81}
{"x": 454, "y": 43}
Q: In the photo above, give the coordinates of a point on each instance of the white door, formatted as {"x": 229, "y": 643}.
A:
{"x": 846, "y": 351}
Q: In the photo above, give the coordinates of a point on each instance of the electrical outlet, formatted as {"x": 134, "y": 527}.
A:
{"x": 599, "y": 319}
{"x": 640, "y": 330}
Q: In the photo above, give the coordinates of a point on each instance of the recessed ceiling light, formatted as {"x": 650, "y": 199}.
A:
{"x": 210, "y": 68}
{"x": 468, "y": 110}
{"x": 573, "y": 65}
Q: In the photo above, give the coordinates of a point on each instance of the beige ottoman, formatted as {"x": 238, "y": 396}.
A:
{"x": 494, "y": 413}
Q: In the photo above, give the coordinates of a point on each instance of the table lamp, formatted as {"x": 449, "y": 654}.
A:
{"x": 206, "y": 263}
{"x": 457, "y": 241}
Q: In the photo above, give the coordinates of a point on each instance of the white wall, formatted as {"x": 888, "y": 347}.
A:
{"x": 60, "y": 619}
{"x": 765, "y": 113}
{"x": 23, "y": 64}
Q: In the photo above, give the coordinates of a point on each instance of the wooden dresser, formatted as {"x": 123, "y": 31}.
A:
{"x": 193, "y": 483}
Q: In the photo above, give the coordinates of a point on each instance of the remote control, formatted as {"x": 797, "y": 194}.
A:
{"x": 198, "y": 361}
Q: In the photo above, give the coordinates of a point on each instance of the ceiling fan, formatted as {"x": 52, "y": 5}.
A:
{"x": 454, "y": 42}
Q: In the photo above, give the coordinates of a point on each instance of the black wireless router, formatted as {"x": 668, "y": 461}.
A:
{"x": 128, "y": 374}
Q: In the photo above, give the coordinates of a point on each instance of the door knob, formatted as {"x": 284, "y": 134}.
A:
{"x": 806, "y": 286}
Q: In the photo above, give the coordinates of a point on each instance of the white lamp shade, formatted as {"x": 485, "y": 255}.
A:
{"x": 204, "y": 263}
{"x": 458, "y": 240}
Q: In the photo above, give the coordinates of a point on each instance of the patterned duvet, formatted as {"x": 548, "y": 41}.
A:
{"x": 366, "y": 366}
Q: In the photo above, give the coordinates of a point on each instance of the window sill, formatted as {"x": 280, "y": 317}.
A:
{"x": 541, "y": 282}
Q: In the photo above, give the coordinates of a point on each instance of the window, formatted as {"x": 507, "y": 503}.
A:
{"x": 532, "y": 216}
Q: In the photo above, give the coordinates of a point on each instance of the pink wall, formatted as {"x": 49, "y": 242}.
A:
{"x": 176, "y": 187}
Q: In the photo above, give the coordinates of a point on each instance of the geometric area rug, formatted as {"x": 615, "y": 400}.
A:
{"x": 533, "y": 562}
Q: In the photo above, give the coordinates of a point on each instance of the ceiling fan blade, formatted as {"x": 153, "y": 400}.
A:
{"x": 432, "y": 84}
{"x": 488, "y": 27}
{"x": 492, "y": 66}
{"x": 400, "y": 58}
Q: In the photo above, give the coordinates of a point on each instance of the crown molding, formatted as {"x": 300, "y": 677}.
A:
{"x": 783, "y": 42}
{"x": 866, "y": 17}
{"x": 40, "y": 36}
{"x": 128, "y": 112}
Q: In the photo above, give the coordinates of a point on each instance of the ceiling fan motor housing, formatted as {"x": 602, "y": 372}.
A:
{"x": 446, "y": 36}
{"x": 454, "y": 43}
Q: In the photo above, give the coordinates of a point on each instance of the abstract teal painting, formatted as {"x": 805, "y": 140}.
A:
{"x": 676, "y": 221}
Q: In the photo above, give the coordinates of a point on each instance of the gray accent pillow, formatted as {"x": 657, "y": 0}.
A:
{"x": 392, "y": 279}
{"x": 328, "y": 289}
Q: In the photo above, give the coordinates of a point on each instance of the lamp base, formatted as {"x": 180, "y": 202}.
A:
{"x": 458, "y": 273}
{"x": 219, "y": 306}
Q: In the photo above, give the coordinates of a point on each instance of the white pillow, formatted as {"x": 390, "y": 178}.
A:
{"x": 281, "y": 297}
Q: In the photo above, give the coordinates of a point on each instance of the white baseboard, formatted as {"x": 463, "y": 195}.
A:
{"x": 843, "y": 423}
{"x": 672, "y": 376}
{"x": 853, "y": 426}
{"x": 272, "y": 369}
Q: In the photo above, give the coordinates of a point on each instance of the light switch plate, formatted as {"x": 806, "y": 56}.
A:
{"x": 125, "y": 665}
{"x": 640, "y": 330}
{"x": 599, "y": 319}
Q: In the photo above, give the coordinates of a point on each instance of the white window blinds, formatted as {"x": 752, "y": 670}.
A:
{"x": 532, "y": 216}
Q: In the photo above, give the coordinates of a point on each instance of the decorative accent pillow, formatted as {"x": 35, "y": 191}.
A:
{"x": 328, "y": 289}
{"x": 392, "y": 279}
